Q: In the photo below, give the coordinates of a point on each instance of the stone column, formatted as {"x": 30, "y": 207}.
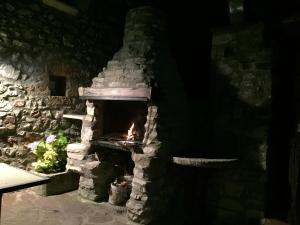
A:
{"x": 147, "y": 196}
{"x": 96, "y": 178}
{"x": 78, "y": 151}
{"x": 241, "y": 99}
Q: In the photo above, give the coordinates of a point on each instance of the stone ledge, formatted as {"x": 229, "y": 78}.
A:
{"x": 61, "y": 6}
{"x": 59, "y": 183}
{"x": 203, "y": 162}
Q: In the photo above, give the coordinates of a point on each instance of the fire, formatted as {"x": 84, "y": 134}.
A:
{"x": 130, "y": 133}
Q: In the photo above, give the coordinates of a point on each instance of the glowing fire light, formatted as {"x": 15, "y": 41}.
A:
{"x": 130, "y": 134}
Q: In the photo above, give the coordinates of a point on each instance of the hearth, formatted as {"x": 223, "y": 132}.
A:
{"x": 139, "y": 86}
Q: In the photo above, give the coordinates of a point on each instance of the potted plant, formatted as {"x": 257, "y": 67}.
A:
{"x": 50, "y": 153}
{"x": 51, "y": 159}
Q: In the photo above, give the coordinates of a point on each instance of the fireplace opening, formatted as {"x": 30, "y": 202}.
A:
{"x": 120, "y": 131}
{"x": 120, "y": 125}
{"x": 119, "y": 117}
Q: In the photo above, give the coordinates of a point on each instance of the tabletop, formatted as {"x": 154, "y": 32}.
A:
{"x": 12, "y": 178}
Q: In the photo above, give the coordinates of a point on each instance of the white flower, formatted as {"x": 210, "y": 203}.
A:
{"x": 33, "y": 145}
{"x": 50, "y": 139}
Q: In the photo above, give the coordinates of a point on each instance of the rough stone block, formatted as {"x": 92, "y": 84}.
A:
{"x": 75, "y": 169}
{"x": 8, "y": 71}
{"x": 142, "y": 160}
{"x": 139, "y": 212}
{"x": 80, "y": 148}
{"x": 4, "y": 131}
{"x": 139, "y": 173}
{"x": 139, "y": 197}
{"x": 78, "y": 156}
{"x": 90, "y": 109}
{"x": 91, "y": 169}
{"x": 143, "y": 186}
{"x": 19, "y": 103}
{"x": 136, "y": 206}
{"x": 86, "y": 134}
{"x": 93, "y": 190}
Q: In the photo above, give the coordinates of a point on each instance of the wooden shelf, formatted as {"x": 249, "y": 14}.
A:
{"x": 73, "y": 116}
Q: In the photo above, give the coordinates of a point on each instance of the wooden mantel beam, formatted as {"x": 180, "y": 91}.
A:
{"x": 133, "y": 94}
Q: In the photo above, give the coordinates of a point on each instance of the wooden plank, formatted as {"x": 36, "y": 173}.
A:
{"x": 115, "y": 93}
{"x": 73, "y": 116}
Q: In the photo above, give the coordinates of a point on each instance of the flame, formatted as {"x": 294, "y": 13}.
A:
{"x": 130, "y": 134}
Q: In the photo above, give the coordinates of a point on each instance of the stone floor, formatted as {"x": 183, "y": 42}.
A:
{"x": 274, "y": 222}
{"x": 28, "y": 208}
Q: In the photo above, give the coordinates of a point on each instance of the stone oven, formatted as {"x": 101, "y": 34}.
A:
{"x": 140, "y": 85}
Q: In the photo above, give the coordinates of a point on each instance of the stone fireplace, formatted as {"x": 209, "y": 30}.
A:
{"x": 140, "y": 85}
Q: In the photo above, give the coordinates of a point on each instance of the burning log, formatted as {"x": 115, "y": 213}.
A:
{"x": 131, "y": 133}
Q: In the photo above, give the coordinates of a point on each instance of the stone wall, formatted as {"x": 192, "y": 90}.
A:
{"x": 241, "y": 96}
{"x": 37, "y": 41}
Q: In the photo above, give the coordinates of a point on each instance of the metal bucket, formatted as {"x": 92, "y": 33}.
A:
{"x": 120, "y": 190}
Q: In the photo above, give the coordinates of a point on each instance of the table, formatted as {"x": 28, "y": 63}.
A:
{"x": 13, "y": 179}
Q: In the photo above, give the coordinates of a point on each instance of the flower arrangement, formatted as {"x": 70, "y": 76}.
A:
{"x": 51, "y": 153}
